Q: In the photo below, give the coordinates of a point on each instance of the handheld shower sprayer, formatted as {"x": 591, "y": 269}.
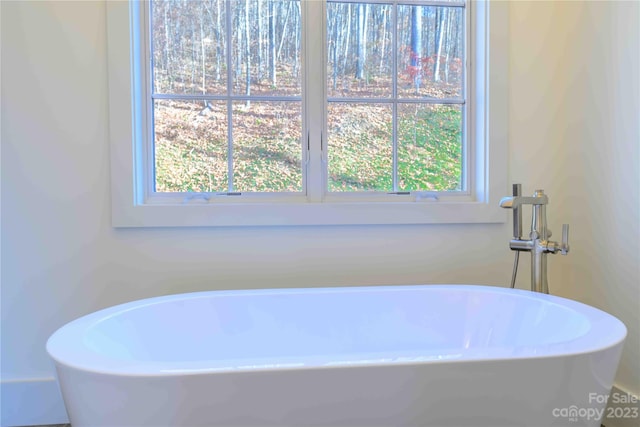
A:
{"x": 517, "y": 231}
{"x": 517, "y": 213}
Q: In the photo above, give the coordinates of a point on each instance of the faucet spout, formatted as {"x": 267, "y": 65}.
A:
{"x": 514, "y": 202}
{"x": 507, "y": 202}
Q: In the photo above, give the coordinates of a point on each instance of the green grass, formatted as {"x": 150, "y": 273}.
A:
{"x": 191, "y": 148}
{"x": 430, "y": 149}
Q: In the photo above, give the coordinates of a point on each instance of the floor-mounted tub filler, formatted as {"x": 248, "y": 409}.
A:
{"x": 427, "y": 355}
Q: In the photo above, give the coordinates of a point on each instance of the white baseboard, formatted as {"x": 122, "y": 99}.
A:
{"x": 36, "y": 401}
{"x": 623, "y": 409}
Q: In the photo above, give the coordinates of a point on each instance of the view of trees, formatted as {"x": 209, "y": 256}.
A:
{"x": 375, "y": 51}
{"x": 430, "y": 48}
{"x": 191, "y": 40}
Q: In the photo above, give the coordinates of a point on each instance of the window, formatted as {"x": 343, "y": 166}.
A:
{"x": 260, "y": 113}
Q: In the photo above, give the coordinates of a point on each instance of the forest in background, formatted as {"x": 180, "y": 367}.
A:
{"x": 199, "y": 45}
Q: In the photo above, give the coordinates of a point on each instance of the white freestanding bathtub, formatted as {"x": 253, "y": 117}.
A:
{"x": 429, "y": 355}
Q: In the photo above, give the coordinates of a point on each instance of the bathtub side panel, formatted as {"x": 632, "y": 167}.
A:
{"x": 522, "y": 392}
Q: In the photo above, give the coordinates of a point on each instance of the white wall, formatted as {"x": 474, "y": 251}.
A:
{"x": 605, "y": 182}
{"x": 575, "y": 124}
{"x": 573, "y": 131}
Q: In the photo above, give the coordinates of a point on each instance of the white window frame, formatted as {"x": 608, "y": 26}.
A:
{"x": 132, "y": 206}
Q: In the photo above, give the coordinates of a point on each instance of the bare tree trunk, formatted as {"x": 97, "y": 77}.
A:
{"x": 383, "y": 43}
{"x": 194, "y": 56}
{"x": 416, "y": 45}
{"x": 447, "y": 48}
{"x": 247, "y": 51}
{"x": 334, "y": 54}
{"x": 219, "y": 41}
{"x": 346, "y": 40}
{"x": 203, "y": 55}
{"x": 259, "y": 58}
{"x": 168, "y": 47}
{"x": 441, "y": 27}
{"x": 215, "y": 28}
{"x": 237, "y": 49}
{"x": 360, "y": 40}
{"x": 296, "y": 44}
{"x": 272, "y": 44}
{"x": 284, "y": 29}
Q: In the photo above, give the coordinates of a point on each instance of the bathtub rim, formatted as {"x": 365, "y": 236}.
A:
{"x": 58, "y": 349}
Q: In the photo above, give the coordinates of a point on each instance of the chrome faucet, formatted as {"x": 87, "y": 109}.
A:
{"x": 538, "y": 243}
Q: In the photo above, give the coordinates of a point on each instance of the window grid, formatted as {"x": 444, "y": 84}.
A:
{"x": 230, "y": 97}
{"x": 134, "y": 204}
{"x": 395, "y": 99}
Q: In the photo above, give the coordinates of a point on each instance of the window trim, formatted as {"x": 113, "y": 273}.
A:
{"x": 128, "y": 151}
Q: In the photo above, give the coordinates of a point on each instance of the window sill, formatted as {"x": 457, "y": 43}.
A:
{"x": 297, "y": 214}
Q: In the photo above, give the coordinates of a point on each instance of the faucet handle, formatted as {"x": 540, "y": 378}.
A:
{"x": 564, "y": 246}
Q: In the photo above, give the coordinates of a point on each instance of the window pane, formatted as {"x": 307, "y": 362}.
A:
{"x": 358, "y": 48}
{"x": 429, "y": 147}
{"x": 266, "y": 39}
{"x": 267, "y": 148}
{"x": 431, "y": 52}
{"x": 190, "y": 146}
{"x": 189, "y": 54}
{"x": 360, "y": 152}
